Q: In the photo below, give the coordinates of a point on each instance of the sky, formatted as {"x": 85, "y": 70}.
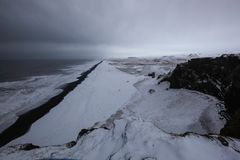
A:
{"x": 117, "y": 28}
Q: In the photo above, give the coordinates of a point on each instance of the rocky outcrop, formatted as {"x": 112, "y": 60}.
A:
{"x": 71, "y": 144}
{"x": 219, "y": 77}
{"x": 28, "y": 147}
{"x": 151, "y": 74}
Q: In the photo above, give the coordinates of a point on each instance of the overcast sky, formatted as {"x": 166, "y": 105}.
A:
{"x": 101, "y": 28}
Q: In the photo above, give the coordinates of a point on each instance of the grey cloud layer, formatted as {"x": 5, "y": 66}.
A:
{"x": 158, "y": 25}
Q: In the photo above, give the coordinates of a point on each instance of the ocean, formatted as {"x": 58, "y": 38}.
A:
{"x": 14, "y": 70}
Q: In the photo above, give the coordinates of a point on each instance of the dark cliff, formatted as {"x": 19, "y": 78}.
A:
{"x": 219, "y": 77}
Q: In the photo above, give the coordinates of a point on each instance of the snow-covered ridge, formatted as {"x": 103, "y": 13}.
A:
{"x": 155, "y": 123}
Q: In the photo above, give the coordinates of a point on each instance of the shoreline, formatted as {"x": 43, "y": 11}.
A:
{"x": 24, "y": 122}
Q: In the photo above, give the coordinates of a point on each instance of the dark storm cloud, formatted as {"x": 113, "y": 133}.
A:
{"x": 95, "y": 28}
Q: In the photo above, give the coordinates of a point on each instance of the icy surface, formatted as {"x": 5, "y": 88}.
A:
{"x": 19, "y": 97}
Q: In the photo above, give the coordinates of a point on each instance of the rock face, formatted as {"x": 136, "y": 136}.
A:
{"x": 151, "y": 74}
{"x": 28, "y": 147}
{"x": 219, "y": 77}
{"x": 71, "y": 144}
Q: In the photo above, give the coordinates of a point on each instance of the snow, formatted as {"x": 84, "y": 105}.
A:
{"x": 104, "y": 91}
{"x": 177, "y": 110}
{"x": 132, "y": 138}
{"x": 171, "y": 124}
{"x": 19, "y": 97}
{"x": 144, "y": 66}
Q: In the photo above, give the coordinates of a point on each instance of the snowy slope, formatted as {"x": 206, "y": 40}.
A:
{"x": 129, "y": 137}
{"x": 100, "y": 95}
{"x": 177, "y": 111}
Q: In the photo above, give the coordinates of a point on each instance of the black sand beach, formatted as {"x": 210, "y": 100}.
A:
{"x": 24, "y": 122}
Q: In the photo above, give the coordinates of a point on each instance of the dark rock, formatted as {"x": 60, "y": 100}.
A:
{"x": 28, "y": 146}
{"x": 219, "y": 77}
{"x": 151, "y": 74}
{"x": 223, "y": 141}
{"x": 71, "y": 144}
{"x": 232, "y": 128}
{"x": 105, "y": 127}
{"x": 151, "y": 91}
{"x": 84, "y": 132}
{"x": 160, "y": 76}
{"x": 232, "y": 94}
